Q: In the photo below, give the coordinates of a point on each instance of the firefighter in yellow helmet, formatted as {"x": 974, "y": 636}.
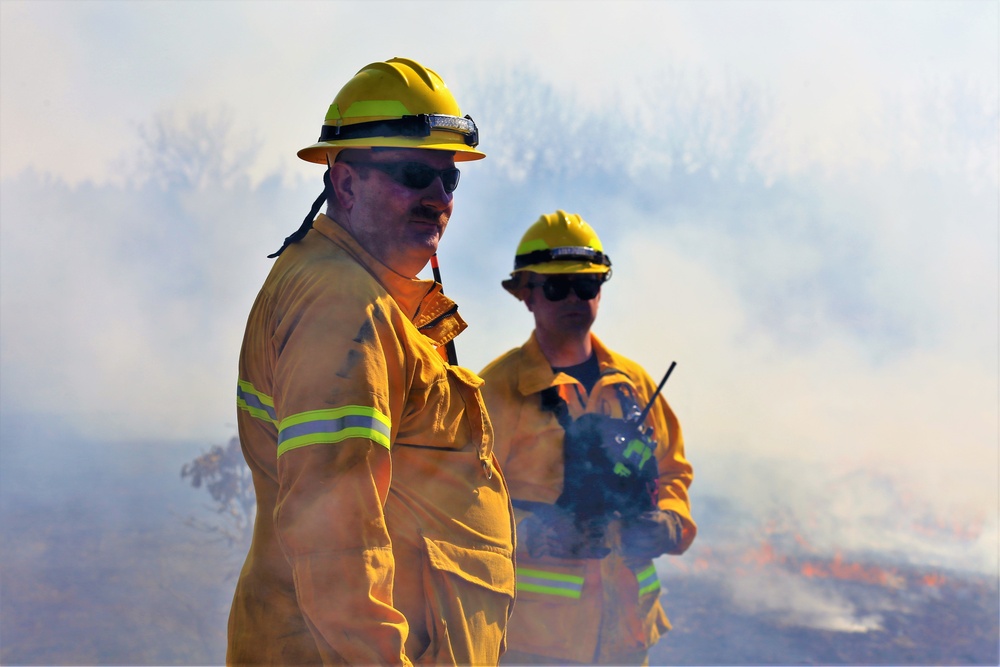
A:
{"x": 384, "y": 531}
{"x": 599, "y": 487}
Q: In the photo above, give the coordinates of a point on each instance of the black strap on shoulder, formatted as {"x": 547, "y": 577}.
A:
{"x": 628, "y": 401}
{"x": 552, "y": 402}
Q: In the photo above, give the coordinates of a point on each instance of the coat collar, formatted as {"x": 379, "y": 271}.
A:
{"x": 536, "y": 372}
{"x": 423, "y": 302}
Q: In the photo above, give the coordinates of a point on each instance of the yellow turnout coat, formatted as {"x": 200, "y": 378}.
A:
{"x": 580, "y": 610}
{"x": 384, "y": 532}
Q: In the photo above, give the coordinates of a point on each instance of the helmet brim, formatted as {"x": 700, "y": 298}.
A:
{"x": 565, "y": 267}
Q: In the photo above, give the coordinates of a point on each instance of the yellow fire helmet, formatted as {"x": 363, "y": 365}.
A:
{"x": 558, "y": 242}
{"x": 399, "y": 104}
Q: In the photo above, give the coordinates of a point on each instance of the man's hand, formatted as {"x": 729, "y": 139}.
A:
{"x": 651, "y": 534}
{"x": 550, "y": 531}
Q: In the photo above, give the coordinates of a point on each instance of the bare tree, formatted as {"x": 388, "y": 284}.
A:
{"x": 224, "y": 473}
{"x": 194, "y": 152}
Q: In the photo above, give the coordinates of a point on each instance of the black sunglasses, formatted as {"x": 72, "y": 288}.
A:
{"x": 556, "y": 288}
{"x": 414, "y": 175}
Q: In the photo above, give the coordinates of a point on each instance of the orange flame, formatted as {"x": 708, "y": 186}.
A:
{"x": 933, "y": 580}
{"x": 804, "y": 560}
{"x": 839, "y": 569}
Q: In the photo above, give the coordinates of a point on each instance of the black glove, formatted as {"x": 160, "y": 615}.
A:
{"x": 651, "y": 534}
{"x": 551, "y": 531}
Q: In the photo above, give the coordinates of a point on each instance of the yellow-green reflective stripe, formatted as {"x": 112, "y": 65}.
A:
{"x": 558, "y": 576}
{"x": 524, "y": 586}
{"x": 531, "y": 246}
{"x": 257, "y": 403}
{"x": 549, "y": 583}
{"x": 333, "y": 426}
{"x": 648, "y": 580}
{"x": 363, "y": 108}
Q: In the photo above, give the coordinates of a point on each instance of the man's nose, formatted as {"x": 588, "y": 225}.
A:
{"x": 435, "y": 196}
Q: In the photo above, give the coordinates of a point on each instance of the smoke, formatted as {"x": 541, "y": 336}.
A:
{"x": 833, "y": 315}
{"x": 790, "y": 601}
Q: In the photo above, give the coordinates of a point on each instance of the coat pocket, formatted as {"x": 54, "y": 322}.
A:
{"x": 557, "y": 612}
{"x": 492, "y": 569}
{"x": 469, "y": 593}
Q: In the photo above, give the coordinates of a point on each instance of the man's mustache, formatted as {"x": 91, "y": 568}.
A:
{"x": 428, "y": 214}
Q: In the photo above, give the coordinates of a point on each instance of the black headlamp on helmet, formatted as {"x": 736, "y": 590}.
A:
{"x": 563, "y": 254}
{"x": 420, "y": 125}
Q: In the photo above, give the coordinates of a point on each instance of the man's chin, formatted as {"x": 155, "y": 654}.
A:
{"x": 423, "y": 249}
{"x": 426, "y": 237}
{"x": 576, "y": 321}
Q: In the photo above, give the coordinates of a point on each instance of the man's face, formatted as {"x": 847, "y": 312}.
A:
{"x": 399, "y": 225}
{"x": 570, "y": 315}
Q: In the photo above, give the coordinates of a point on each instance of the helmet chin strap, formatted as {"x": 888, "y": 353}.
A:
{"x": 307, "y": 224}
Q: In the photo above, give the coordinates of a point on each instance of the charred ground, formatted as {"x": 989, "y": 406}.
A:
{"x": 101, "y": 568}
{"x": 954, "y": 623}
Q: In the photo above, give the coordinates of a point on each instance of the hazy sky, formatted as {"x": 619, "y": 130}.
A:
{"x": 78, "y": 77}
{"x": 800, "y": 198}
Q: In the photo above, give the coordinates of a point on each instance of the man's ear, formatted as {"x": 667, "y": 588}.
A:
{"x": 525, "y": 295}
{"x": 342, "y": 185}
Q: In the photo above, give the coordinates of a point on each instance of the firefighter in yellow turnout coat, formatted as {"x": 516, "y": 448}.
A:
{"x": 586, "y": 593}
{"x": 384, "y": 531}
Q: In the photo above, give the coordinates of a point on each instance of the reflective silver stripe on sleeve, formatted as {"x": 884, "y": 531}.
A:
{"x": 648, "y": 580}
{"x": 333, "y": 426}
{"x": 258, "y": 404}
